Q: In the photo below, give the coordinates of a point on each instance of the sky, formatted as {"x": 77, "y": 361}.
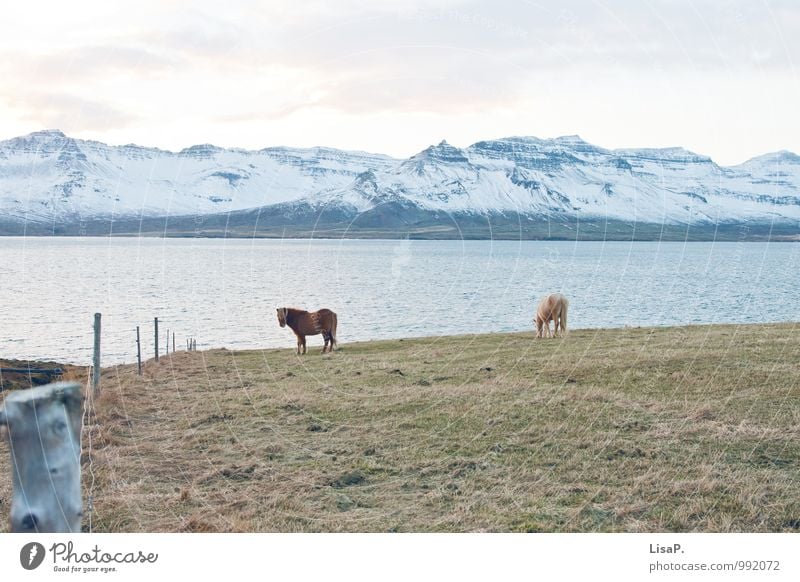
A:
{"x": 719, "y": 78}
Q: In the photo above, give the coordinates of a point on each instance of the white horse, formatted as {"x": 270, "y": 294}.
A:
{"x": 551, "y": 307}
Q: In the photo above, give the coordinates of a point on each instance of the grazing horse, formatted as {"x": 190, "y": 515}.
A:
{"x": 304, "y": 323}
{"x": 551, "y": 307}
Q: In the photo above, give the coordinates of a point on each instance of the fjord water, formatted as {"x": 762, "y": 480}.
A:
{"x": 224, "y": 291}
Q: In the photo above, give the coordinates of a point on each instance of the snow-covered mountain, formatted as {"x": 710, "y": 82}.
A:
{"x": 47, "y": 177}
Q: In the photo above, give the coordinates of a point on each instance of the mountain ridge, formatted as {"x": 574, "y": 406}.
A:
{"x": 571, "y": 138}
{"x": 50, "y": 179}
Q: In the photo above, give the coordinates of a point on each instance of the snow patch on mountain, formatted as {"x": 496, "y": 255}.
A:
{"x": 49, "y": 177}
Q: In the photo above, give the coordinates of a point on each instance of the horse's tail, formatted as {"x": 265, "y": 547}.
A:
{"x": 333, "y": 331}
{"x": 564, "y": 310}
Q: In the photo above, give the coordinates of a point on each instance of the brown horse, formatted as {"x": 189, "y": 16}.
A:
{"x": 551, "y": 307}
{"x": 304, "y": 323}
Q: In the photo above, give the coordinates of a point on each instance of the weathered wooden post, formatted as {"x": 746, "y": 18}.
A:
{"x": 138, "y": 351}
{"x": 166, "y": 347}
{"x": 44, "y": 435}
{"x": 156, "y": 339}
{"x": 96, "y": 358}
{"x": 173, "y": 342}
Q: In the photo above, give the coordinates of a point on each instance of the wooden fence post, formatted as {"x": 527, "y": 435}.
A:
{"x": 138, "y": 350}
{"x": 96, "y": 358}
{"x": 44, "y": 435}
{"x": 173, "y": 342}
{"x": 156, "y": 339}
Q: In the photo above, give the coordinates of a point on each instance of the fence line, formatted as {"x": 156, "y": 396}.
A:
{"x": 138, "y": 351}
{"x": 96, "y": 356}
{"x": 44, "y": 435}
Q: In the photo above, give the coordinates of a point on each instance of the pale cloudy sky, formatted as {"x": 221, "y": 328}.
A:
{"x": 720, "y": 78}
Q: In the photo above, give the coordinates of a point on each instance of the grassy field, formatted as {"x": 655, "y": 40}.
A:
{"x": 664, "y": 429}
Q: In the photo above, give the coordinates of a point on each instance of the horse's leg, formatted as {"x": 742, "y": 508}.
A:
{"x": 326, "y": 337}
{"x": 299, "y": 344}
{"x": 557, "y": 324}
{"x": 305, "y": 349}
{"x": 331, "y": 339}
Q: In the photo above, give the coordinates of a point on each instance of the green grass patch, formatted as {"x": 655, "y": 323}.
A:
{"x": 660, "y": 429}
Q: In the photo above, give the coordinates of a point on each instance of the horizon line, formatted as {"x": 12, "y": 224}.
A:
{"x": 364, "y": 151}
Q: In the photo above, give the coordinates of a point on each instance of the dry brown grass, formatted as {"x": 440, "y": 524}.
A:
{"x": 673, "y": 429}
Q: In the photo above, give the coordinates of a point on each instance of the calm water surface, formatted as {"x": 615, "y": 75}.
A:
{"x": 224, "y": 292}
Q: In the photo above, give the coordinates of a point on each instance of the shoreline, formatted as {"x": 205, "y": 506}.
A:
{"x": 467, "y": 227}
{"x": 13, "y": 374}
{"x": 785, "y": 238}
{"x": 424, "y": 338}
{"x": 779, "y": 238}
